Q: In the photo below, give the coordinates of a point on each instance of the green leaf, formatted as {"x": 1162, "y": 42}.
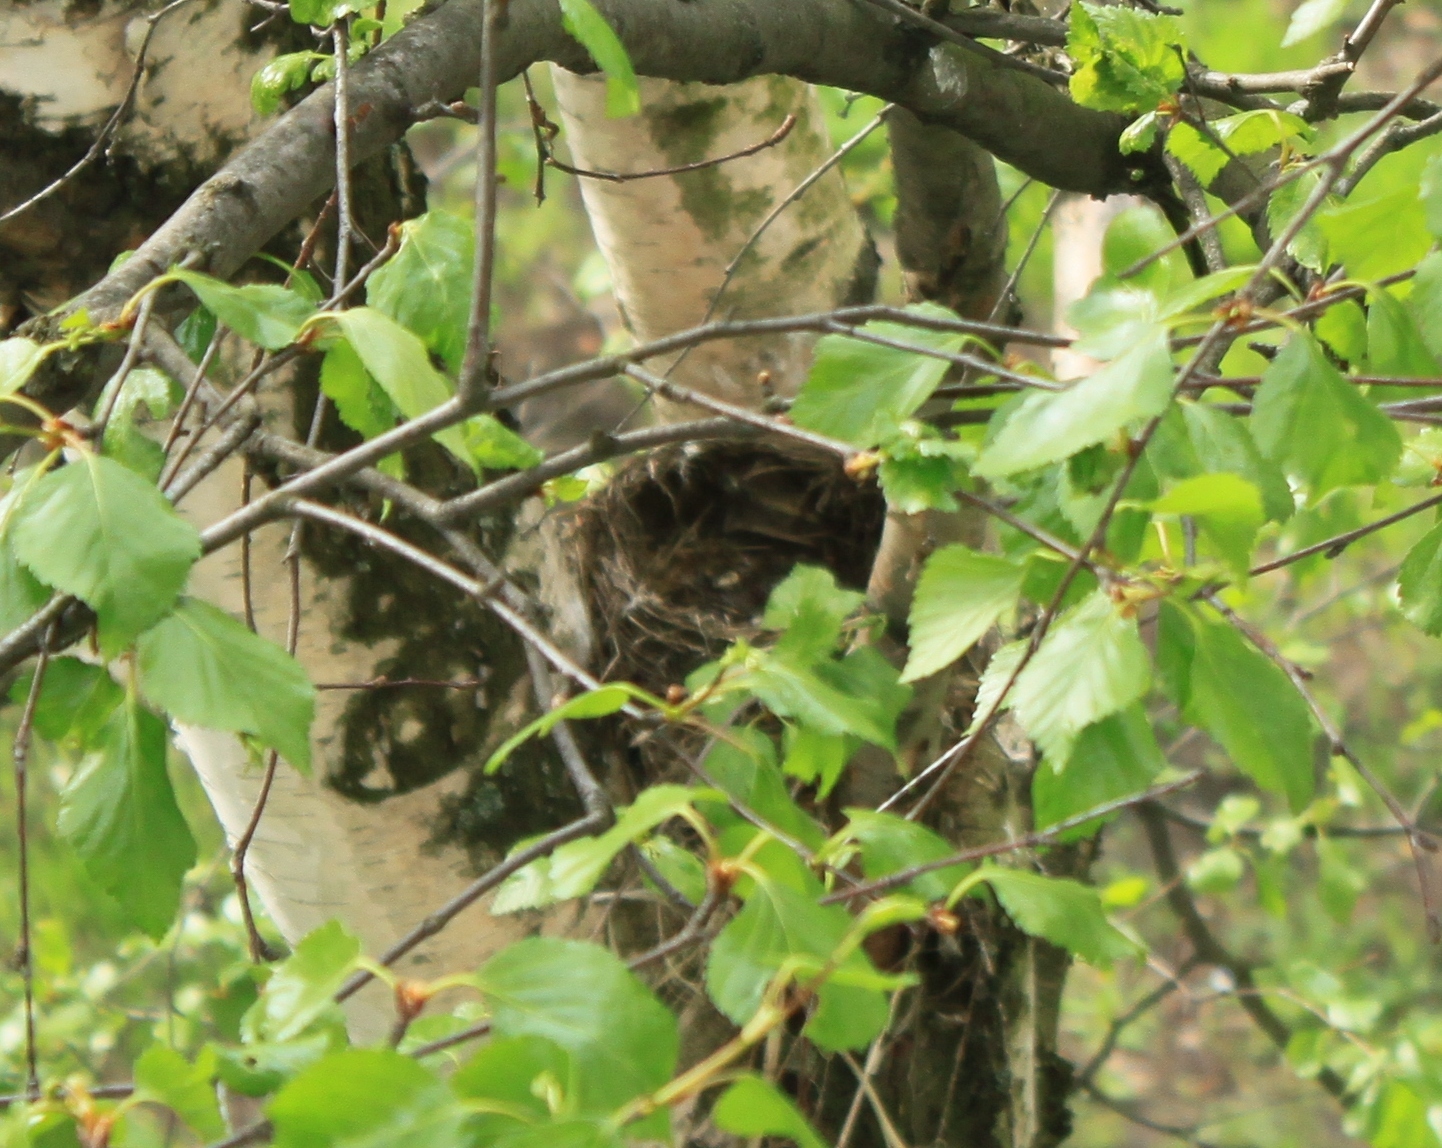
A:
{"x": 1227, "y": 509}
{"x": 21, "y": 593}
{"x": 1313, "y": 422}
{"x": 1341, "y": 879}
{"x": 359, "y": 401}
{"x": 959, "y": 597}
{"x": 1112, "y": 759}
{"x": 203, "y": 667}
{"x": 890, "y": 844}
{"x": 574, "y": 868}
{"x": 1091, "y": 665}
{"x": 124, "y": 441}
{"x": 323, "y": 13}
{"x": 163, "y": 1075}
{"x": 921, "y": 472}
{"x": 814, "y": 757}
{"x": 1247, "y": 703}
{"x": 426, "y": 286}
{"x": 303, "y": 986}
{"x": 776, "y": 925}
{"x": 582, "y": 997}
{"x": 494, "y": 446}
{"x": 1127, "y": 60}
{"x": 369, "y": 1097}
{"x": 1379, "y": 236}
{"x": 860, "y": 392}
{"x": 1223, "y": 444}
{"x": 1050, "y": 426}
{"x": 1139, "y": 135}
{"x": 1425, "y": 302}
{"x": 398, "y": 361}
{"x": 521, "y": 1079}
{"x": 75, "y": 698}
{"x": 810, "y": 607}
{"x": 1113, "y": 317}
{"x": 1133, "y": 234}
{"x": 1200, "y": 153}
{"x": 755, "y": 1107}
{"x": 1395, "y": 345}
{"x": 101, "y": 532}
{"x": 1311, "y": 17}
{"x": 581, "y": 20}
{"x": 1190, "y": 296}
{"x": 1247, "y": 133}
{"x": 1419, "y": 585}
{"x": 1343, "y": 328}
{"x": 119, "y": 813}
{"x": 744, "y": 766}
{"x": 595, "y": 703}
{"x": 858, "y": 695}
{"x": 1429, "y": 191}
{"x": 19, "y": 357}
{"x": 265, "y": 314}
{"x": 1062, "y": 911}
{"x": 283, "y": 74}
{"x": 1309, "y": 246}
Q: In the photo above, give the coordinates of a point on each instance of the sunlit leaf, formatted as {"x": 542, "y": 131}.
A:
{"x": 960, "y": 595}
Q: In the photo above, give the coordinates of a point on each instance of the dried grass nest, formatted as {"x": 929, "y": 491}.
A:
{"x": 679, "y": 552}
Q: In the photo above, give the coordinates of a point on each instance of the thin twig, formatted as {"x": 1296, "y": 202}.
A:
{"x": 700, "y": 165}
{"x": 1334, "y": 546}
{"x": 24, "y": 958}
{"x": 915, "y": 16}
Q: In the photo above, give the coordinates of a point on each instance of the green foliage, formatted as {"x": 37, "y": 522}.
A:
{"x": 581, "y": 20}
{"x": 961, "y": 594}
{"x": 99, "y": 531}
{"x": 1127, "y": 60}
{"x": 1059, "y": 910}
{"x": 861, "y": 392}
{"x": 261, "y": 313}
{"x": 119, "y": 813}
{"x": 282, "y": 74}
{"x": 426, "y": 287}
{"x": 754, "y": 1107}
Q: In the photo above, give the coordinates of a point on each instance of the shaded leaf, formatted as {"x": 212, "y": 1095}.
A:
{"x": 367, "y": 1096}
{"x": 1112, "y": 759}
{"x": 304, "y": 985}
{"x": 581, "y": 20}
{"x": 188, "y": 1090}
{"x": 118, "y": 811}
{"x": 203, "y": 667}
{"x": 265, "y": 314}
{"x": 1419, "y": 584}
{"x": 890, "y": 843}
{"x": 1226, "y": 507}
{"x": 754, "y": 1107}
{"x": 1062, "y": 911}
{"x": 426, "y": 286}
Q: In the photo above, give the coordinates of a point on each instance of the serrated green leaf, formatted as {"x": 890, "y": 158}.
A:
{"x": 1190, "y": 296}
{"x": 1049, "y": 427}
{"x": 582, "y": 997}
{"x": 1127, "y": 60}
{"x": 744, "y": 766}
{"x": 1425, "y": 302}
{"x": 304, "y": 985}
{"x": 358, "y": 399}
{"x": 1062, "y": 911}
{"x": 519, "y": 1079}
{"x": 1395, "y": 345}
{"x": 1309, "y": 246}
{"x": 494, "y": 446}
{"x": 21, "y": 593}
{"x": 1139, "y": 135}
{"x": 1113, "y": 317}
{"x": 574, "y": 869}
{"x": 755, "y": 1107}
{"x": 1343, "y": 328}
{"x": 203, "y": 667}
{"x": 1090, "y": 665}
{"x": 265, "y": 314}
{"x": 1112, "y": 759}
{"x": 810, "y": 607}
{"x": 1249, "y": 132}
{"x": 1378, "y": 236}
{"x": 1223, "y": 444}
{"x": 890, "y": 844}
{"x": 960, "y": 595}
{"x": 124, "y": 441}
{"x": 776, "y": 925}
{"x": 76, "y": 699}
{"x": 1312, "y": 421}
{"x": 860, "y": 392}
{"x": 426, "y": 286}
{"x": 581, "y": 20}
{"x": 1419, "y": 584}
{"x": 118, "y": 812}
{"x": 101, "y": 532}
{"x": 858, "y": 695}
{"x": 163, "y": 1075}
{"x": 814, "y": 757}
{"x": 367, "y": 1096}
{"x": 1248, "y": 705}
{"x": 1200, "y": 154}
{"x": 1226, "y": 507}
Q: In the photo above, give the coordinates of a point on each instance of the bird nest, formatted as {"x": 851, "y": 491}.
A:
{"x": 679, "y": 552}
